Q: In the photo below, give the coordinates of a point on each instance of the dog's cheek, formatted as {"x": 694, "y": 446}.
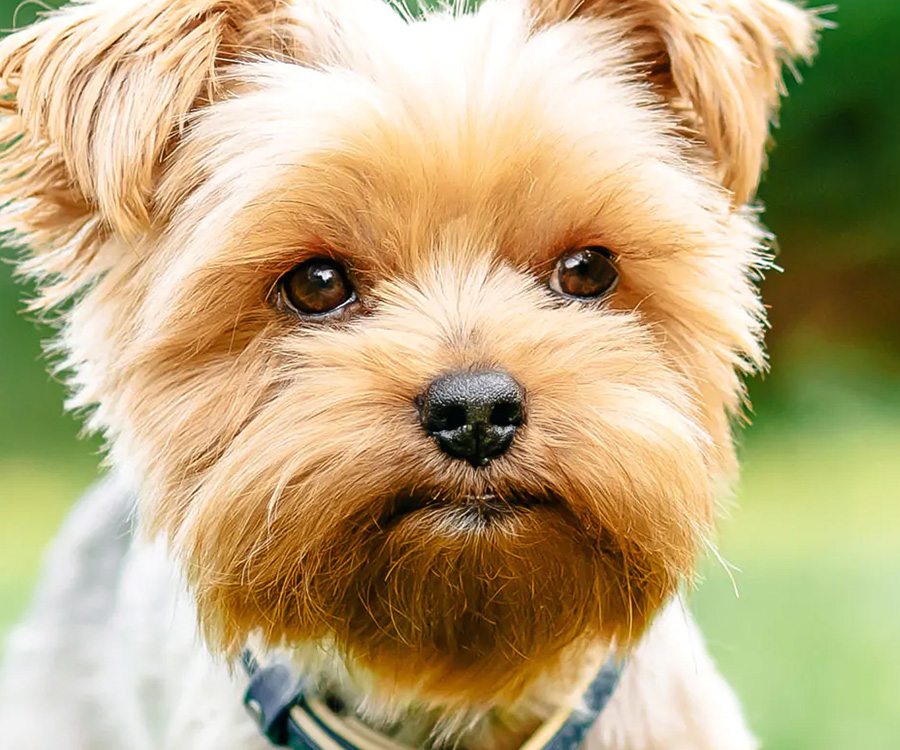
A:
{"x": 607, "y": 404}
{"x": 702, "y": 303}
{"x": 308, "y": 473}
{"x": 614, "y": 433}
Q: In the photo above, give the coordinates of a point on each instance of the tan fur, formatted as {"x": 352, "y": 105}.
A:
{"x": 168, "y": 161}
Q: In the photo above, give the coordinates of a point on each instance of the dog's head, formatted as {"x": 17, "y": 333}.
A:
{"x": 420, "y": 338}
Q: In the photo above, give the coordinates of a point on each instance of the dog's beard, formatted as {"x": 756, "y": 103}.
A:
{"x": 455, "y": 595}
{"x": 451, "y": 598}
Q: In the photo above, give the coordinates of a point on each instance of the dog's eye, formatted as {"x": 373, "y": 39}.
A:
{"x": 585, "y": 273}
{"x": 316, "y": 287}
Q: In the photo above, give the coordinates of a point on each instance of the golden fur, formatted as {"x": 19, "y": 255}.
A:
{"x": 167, "y": 161}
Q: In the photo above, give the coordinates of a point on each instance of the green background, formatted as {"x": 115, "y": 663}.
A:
{"x": 813, "y": 641}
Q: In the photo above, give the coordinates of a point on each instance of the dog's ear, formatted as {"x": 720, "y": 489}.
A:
{"x": 717, "y": 63}
{"x": 93, "y": 98}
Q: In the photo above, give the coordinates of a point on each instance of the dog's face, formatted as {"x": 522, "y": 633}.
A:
{"x": 421, "y": 338}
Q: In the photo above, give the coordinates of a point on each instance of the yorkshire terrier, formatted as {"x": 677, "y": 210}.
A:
{"x": 416, "y": 344}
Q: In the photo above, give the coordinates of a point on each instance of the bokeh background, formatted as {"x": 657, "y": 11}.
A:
{"x": 812, "y": 642}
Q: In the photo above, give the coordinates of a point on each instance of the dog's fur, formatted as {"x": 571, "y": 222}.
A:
{"x": 167, "y": 161}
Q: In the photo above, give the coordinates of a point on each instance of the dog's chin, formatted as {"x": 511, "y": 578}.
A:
{"x": 476, "y": 589}
{"x": 463, "y": 512}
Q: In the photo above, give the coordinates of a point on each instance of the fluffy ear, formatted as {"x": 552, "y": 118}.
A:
{"x": 93, "y": 97}
{"x": 718, "y": 63}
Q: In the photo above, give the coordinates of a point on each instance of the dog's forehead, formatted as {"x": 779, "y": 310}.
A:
{"x": 476, "y": 125}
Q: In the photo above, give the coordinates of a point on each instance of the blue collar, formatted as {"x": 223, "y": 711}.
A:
{"x": 290, "y": 717}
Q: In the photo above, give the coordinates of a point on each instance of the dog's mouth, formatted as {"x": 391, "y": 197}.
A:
{"x": 466, "y": 510}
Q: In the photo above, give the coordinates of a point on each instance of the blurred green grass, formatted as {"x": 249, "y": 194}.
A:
{"x": 811, "y": 644}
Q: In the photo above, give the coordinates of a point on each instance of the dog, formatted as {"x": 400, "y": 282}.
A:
{"x": 417, "y": 346}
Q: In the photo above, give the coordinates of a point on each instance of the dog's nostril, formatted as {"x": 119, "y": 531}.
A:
{"x": 473, "y": 415}
{"x": 506, "y": 414}
{"x": 447, "y": 417}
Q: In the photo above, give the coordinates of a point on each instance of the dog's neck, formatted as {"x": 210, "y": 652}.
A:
{"x": 416, "y": 720}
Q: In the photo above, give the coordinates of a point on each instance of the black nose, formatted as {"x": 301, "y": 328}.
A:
{"x": 473, "y": 415}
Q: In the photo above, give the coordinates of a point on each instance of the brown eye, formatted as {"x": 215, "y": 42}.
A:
{"x": 585, "y": 273}
{"x": 316, "y": 287}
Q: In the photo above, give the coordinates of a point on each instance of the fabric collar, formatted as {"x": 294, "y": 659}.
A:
{"x": 290, "y": 716}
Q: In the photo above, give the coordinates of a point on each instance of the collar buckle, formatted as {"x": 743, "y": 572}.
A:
{"x": 272, "y": 693}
